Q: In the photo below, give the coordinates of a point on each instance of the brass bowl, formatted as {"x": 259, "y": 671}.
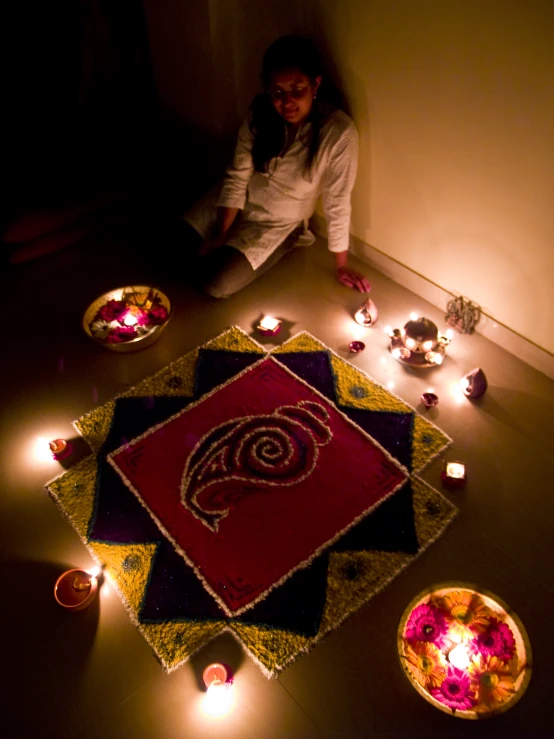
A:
{"x": 139, "y": 342}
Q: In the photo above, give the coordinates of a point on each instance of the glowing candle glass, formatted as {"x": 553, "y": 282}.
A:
{"x": 269, "y": 326}
{"x": 454, "y": 475}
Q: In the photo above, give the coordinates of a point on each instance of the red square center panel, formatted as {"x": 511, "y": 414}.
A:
{"x": 255, "y": 479}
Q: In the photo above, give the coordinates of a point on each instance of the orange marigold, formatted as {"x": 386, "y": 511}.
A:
{"x": 490, "y": 680}
{"x": 427, "y": 663}
{"x": 466, "y": 613}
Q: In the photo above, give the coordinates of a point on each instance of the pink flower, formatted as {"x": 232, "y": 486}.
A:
{"x": 427, "y": 623}
{"x": 142, "y": 318}
{"x": 157, "y": 314}
{"x": 119, "y": 335}
{"x": 455, "y": 691}
{"x": 111, "y": 311}
{"x": 496, "y": 641}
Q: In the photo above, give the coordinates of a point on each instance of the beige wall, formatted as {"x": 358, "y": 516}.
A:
{"x": 454, "y": 101}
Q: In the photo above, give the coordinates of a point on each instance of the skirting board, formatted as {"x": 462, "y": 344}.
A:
{"x": 522, "y": 348}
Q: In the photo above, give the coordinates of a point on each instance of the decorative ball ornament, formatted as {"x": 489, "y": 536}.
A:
{"x": 474, "y": 384}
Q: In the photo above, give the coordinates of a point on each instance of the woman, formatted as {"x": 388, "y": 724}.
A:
{"x": 293, "y": 147}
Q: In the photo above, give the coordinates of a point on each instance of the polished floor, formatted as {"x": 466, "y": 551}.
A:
{"x": 92, "y": 676}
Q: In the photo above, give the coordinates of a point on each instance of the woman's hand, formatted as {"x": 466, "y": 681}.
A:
{"x": 353, "y": 279}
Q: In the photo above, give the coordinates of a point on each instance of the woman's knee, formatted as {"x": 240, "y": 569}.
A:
{"x": 219, "y": 288}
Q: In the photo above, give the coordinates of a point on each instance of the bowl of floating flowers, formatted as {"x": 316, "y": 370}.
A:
{"x": 127, "y": 319}
{"x": 464, "y": 651}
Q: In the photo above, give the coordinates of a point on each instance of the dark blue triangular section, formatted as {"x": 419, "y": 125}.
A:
{"x": 313, "y": 367}
{"x": 296, "y": 605}
{"x": 392, "y": 430}
{"x": 215, "y": 366}
{"x": 390, "y": 527}
{"x": 134, "y": 416}
{"x": 174, "y": 591}
{"x": 118, "y": 515}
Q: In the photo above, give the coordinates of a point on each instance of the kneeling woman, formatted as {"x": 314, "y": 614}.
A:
{"x": 293, "y": 147}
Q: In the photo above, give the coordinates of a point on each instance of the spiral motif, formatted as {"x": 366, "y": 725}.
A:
{"x": 244, "y": 456}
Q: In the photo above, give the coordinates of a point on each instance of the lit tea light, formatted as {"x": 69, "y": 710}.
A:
{"x": 269, "y": 326}
{"x": 456, "y": 470}
{"x": 130, "y": 320}
{"x": 388, "y": 331}
{"x": 459, "y": 657}
{"x": 356, "y": 346}
{"x": 219, "y": 697}
{"x": 60, "y": 448}
{"x": 400, "y": 352}
{"x": 454, "y": 475}
{"x": 76, "y": 589}
{"x": 445, "y": 339}
{"x": 434, "y": 357}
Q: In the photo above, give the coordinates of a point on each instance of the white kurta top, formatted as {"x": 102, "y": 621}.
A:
{"x": 275, "y": 204}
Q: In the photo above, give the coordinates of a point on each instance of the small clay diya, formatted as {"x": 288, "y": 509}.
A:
{"x": 356, "y": 346}
{"x": 75, "y": 589}
{"x": 429, "y": 400}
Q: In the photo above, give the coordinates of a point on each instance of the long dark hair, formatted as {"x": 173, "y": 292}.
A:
{"x": 288, "y": 52}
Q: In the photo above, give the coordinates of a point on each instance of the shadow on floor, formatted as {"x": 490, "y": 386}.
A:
{"x": 521, "y": 411}
{"x": 44, "y": 652}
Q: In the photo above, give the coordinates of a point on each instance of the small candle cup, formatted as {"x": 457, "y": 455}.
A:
{"x": 75, "y": 589}
{"x": 269, "y": 326}
{"x": 429, "y": 400}
{"x": 454, "y": 475}
{"x": 214, "y": 675}
{"x": 60, "y": 448}
{"x": 356, "y": 346}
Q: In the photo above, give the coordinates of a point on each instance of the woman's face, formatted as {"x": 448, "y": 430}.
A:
{"x": 292, "y": 94}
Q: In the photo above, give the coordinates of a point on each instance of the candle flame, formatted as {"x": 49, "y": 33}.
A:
{"x": 459, "y": 657}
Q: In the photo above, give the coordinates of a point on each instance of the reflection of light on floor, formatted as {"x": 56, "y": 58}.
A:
{"x": 218, "y": 701}
{"x": 383, "y": 360}
{"x": 414, "y": 316}
{"x": 390, "y": 385}
{"x": 40, "y": 451}
{"x": 356, "y": 331}
{"x": 456, "y": 392}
